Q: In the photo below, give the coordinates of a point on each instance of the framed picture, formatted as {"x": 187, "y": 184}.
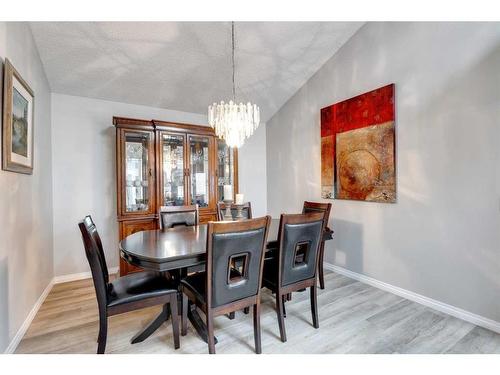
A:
{"x": 358, "y": 153}
{"x": 17, "y": 125}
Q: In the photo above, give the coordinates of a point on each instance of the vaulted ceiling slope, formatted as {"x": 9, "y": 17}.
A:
{"x": 186, "y": 65}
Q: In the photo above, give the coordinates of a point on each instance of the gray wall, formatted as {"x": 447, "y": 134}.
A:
{"x": 252, "y": 171}
{"x": 442, "y": 238}
{"x": 26, "y": 266}
{"x": 85, "y": 176}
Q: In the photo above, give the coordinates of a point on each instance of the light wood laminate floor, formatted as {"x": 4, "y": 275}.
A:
{"x": 354, "y": 318}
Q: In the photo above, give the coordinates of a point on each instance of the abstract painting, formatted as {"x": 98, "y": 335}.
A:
{"x": 17, "y": 147}
{"x": 358, "y": 148}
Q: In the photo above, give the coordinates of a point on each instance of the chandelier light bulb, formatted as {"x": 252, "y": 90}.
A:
{"x": 231, "y": 121}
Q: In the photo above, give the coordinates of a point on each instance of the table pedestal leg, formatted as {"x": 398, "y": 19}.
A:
{"x": 153, "y": 326}
{"x": 198, "y": 324}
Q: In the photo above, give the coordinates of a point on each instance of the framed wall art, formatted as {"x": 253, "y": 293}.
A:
{"x": 358, "y": 157}
{"x": 18, "y": 122}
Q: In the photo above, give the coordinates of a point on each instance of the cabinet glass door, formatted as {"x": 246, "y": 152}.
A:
{"x": 173, "y": 178}
{"x": 138, "y": 174}
{"x": 225, "y": 168}
{"x": 199, "y": 170}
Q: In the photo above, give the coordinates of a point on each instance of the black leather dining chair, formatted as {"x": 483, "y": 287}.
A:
{"x": 247, "y": 214}
{"x": 296, "y": 265}
{"x": 172, "y": 216}
{"x": 325, "y": 208}
{"x": 222, "y": 289}
{"x": 246, "y": 210}
{"x": 128, "y": 293}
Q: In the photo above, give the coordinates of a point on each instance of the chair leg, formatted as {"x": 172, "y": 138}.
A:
{"x": 320, "y": 266}
{"x": 281, "y": 318}
{"x": 175, "y": 320}
{"x": 183, "y": 273}
{"x": 210, "y": 332}
{"x": 256, "y": 328}
{"x": 246, "y": 310}
{"x": 284, "y": 299}
{"x": 184, "y": 316}
{"x": 314, "y": 306}
{"x": 103, "y": 334}
{"x": 289, "y": 297}
{"x": 167, "y": 311}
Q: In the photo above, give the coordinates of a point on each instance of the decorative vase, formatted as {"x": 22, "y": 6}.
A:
{"x": 227, "y": 213}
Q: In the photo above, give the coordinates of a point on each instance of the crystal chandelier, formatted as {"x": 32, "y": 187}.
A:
{"x": 233, "y": 122}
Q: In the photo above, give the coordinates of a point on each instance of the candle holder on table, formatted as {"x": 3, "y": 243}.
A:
{"x": 239, "y": 212}
{"x": 227, "y": 213}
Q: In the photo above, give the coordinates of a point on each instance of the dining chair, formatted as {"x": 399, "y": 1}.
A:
{"x": 325, "y": 208}
{"x": 172, "y": 216}
{"x": 247, "y": 214}
{"x": 222, "y": 289}
{"x": 296, "y": 265}
{"x": 246, "y": 210}
{"x": 128, "y": 293}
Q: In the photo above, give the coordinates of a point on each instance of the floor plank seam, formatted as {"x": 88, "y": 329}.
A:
{"x": 354, "y": 318}
{"x": 418, "y": 298}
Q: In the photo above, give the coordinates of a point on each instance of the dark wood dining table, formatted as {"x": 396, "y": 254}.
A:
{"x": 179, "y": 248}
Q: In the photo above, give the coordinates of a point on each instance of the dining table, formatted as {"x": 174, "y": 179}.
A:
{"x": 179, "y": 248}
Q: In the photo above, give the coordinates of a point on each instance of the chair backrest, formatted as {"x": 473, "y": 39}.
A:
{"x": 172, "y": 216}
{"x": 299, "y": 241}
{"x": 229, "y": 243}
{"x": 310, "y": 207}
{"x": 95, "y": 256}
{"x": 246, "y": 210}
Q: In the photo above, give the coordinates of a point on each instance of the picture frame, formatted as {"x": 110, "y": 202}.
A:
{"x": 17, "y": 122}
{"x": 358, "y": 147}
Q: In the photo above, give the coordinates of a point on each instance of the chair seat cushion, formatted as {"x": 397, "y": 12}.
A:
{"x": 270, "y": 274}
{"x": 138, "y": 286}
{"x": 197, "y": 283}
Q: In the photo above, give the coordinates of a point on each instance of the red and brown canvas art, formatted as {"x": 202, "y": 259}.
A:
{"x": 358, "y": 148}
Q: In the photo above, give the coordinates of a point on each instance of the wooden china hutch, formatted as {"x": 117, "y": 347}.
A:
{"x": 160, "y": 163}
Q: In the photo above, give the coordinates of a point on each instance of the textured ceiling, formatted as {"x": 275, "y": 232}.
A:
{"x": 186, "y": 65}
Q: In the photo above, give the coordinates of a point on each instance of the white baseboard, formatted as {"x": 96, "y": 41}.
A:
{"x": 27, "y": 322}
{"x": 423, "y": 300}
{"x": 56, "y": 280}
{"x": 79, "y": 276}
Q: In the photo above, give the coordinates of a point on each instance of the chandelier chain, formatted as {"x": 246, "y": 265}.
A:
{"x": 232, "y": 49}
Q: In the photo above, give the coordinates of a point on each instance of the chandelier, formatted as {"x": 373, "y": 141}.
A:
{"x": 233, "y": 122}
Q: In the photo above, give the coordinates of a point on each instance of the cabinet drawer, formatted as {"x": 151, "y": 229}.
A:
{"x": 207, "y": 217}
{"x": 132, "y": 226}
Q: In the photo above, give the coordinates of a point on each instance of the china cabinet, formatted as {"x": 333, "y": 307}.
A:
{"x": 161, "y": 163}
